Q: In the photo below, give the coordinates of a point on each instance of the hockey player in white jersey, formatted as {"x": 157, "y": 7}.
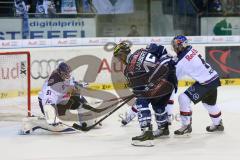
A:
{"x": 59, "y": 93}
{"x": 190, "y": 63}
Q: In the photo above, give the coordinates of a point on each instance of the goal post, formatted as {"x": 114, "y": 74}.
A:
{"x": 15, "y": 80}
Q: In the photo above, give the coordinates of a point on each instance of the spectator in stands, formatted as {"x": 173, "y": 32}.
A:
{"x": 231, "y": 7}
{"x": 45, "y": 7}
{"x": 57, "y": 4}
{"x": 208, "y": 7}
{"x": 51, "y": 9}
{"x": 27, "y": 3}
{"x": 22, "y": 6}
{"x": 133, "y": 31}
{"x": 85, "y": 6}
{"x": 32, "y": 6}
{"x": 214, "y": 6}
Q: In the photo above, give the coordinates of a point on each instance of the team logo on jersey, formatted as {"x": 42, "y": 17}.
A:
{"x": 133, "y": 62}
{"x": 140, "y": 60}
{"x": 191, "y": 55}
{"x": 196, "y": 96}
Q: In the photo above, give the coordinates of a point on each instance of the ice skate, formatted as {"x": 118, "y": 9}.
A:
{"x": 145, "y": 139}
{"x": 129, "y": 116}
{"x": 184, "y": 130}
{"x": 26, "y": 127}
{"x": 215, "y": 128}
{"x": 24, "y": 132}
{"x": 161, "y": 132}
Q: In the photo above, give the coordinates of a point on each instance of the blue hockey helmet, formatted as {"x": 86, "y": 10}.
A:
{"x": 179, "y": 43}
{"x": 64, "y": 70}
{"x": 157, "y": 50}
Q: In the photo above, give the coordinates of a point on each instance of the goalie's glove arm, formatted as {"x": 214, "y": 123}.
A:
{"x": 81, "y": 85}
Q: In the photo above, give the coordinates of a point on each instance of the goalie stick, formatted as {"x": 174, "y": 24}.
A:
{"x": 125, "y": 100}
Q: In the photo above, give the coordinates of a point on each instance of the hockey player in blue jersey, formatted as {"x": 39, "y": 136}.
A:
{"x": 160, "y": 52}
{"x": 152, "y": 81}
{"x": 190, "y": 63}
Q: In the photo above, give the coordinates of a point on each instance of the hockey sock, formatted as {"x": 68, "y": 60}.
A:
{"x": 169, "y": 110}
{"x": 214, "y": 113}
{"x": 185, "y": 109}
{"x": 161, "y": 117}
{"x": 144, "y": 113}
{"x": 134, "y": 108}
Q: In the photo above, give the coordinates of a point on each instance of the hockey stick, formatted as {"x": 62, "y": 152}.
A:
{"x": 76, "y": 126}
{"x": 108, "y": 100}
{"x": 96, "y": 110}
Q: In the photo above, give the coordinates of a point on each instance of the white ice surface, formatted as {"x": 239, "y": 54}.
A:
{"x": 113, "y": 142}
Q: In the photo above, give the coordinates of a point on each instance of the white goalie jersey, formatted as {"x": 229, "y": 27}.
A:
{"x": 56, "y": 91}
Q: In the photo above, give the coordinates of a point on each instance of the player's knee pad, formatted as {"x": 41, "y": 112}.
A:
{"x": 161, "y": 116}
{"x": 184, "y": 102}
{"x": 144, "y": 113}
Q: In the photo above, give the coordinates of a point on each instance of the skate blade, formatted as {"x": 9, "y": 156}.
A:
{"x": 21, "y": 132}
{"x": 215, "y": 132}
{"x": 148, "y": 143}
{"x": 162, "y": 137}
{"x": 186, "y": 135}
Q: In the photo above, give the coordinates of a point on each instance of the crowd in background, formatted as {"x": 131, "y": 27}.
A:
{"x": 56, "y": 6}
{"x": 199, "y": 7}
{"x": 52, "y": 7}
{"x": 202, "y": 7}
{"x": 187, "y": 13}
{"x": 181, "y": 14}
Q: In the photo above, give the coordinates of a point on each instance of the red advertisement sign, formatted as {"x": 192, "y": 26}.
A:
{"x": 225, "y": 60}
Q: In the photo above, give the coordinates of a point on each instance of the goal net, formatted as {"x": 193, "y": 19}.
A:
{"x": 15, "y": 99}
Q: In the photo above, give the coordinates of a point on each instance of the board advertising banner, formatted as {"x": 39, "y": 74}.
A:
{"x": 48, "y": 28}
{"x": 220, "y": 26}
{"x": 225, "y": 60}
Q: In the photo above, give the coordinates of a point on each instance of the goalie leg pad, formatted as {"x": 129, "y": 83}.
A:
{"x": 31, "y": 124}
{"x": 51, "y": 114}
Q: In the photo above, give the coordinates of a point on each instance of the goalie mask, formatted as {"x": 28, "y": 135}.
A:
{"x": 179, "y": 43}
{"x": 64, "y": 70}
{"x": 121, "y": 51}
